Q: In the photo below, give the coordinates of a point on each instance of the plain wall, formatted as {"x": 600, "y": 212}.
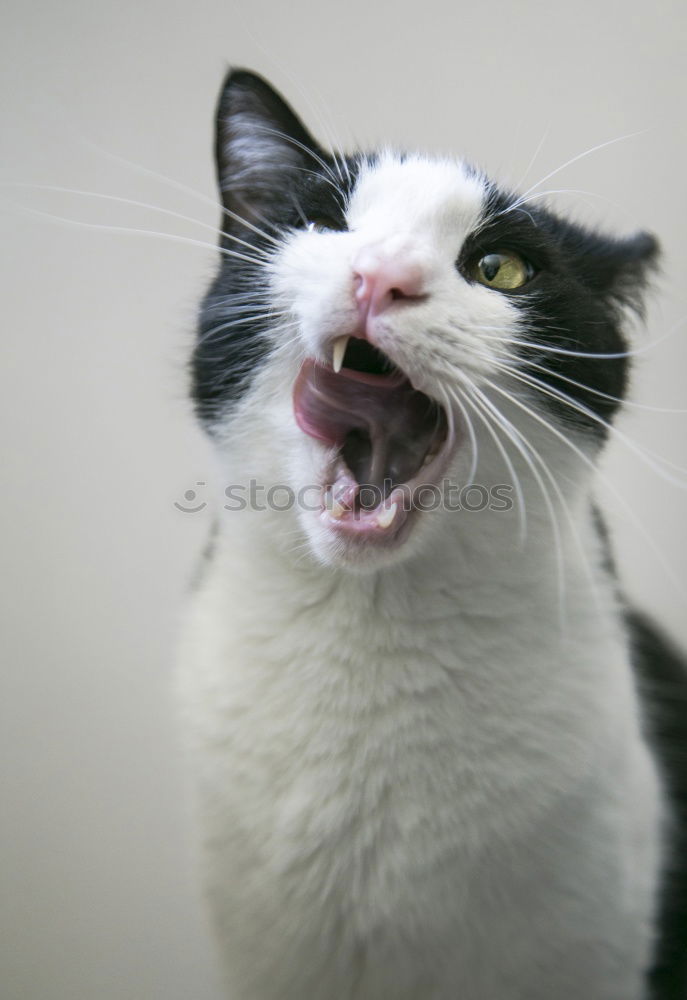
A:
{"x": 97, "y": 881}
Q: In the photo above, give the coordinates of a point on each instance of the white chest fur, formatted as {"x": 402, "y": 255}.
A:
{"x": 415, "y": 788}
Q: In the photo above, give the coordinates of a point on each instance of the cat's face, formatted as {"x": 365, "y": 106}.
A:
{"x": 378, "y": 318}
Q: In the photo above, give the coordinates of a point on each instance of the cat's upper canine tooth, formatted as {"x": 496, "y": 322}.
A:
{"x": 338, "y": 351}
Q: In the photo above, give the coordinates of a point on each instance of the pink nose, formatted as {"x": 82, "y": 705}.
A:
{"x": 381, "y": 279}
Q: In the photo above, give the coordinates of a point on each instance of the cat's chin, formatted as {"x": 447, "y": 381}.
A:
{"x": 367, "y": 532}
{"x": 363, "y": 549}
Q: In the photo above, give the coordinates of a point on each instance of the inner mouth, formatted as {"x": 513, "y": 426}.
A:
{"x": 361, "y": 356}
{"x": 385, "y": 431}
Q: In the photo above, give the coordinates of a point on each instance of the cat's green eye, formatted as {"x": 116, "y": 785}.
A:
{"x": 504, "y": 271}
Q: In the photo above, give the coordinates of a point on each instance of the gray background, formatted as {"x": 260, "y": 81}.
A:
{"x": 98, "y": 888}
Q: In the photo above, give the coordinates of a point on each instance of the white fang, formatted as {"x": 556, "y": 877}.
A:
{"x": 338, "y": 352}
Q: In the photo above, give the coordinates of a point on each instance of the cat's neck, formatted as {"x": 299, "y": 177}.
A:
{"x": 478, "y": 569}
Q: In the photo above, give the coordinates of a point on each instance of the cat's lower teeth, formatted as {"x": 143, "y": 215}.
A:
{"x": 430, "y": 456}
{"x": 335, "y": 508}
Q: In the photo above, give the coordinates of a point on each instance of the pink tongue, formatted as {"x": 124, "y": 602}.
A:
{"x": 385, "y": 425}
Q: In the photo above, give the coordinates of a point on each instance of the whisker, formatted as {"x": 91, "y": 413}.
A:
{"x": 286, "y": 345}
{"x": 506, "y": 458}
{"x": 137, "y": 204}
{"x": 474, "y": 448}
{"x": 529, "y": 447}
{"x": 636, "y": 521}
{"x": 297, "y": 205}
{"x": 598, "y": 392}
{"x": 573, "y": 404}
{"x": 244, "y": 320}
{"x": 130, "y": 231}
{"x": 300, "y": 145}
{"x": 560, "y": 575}
{"x": 308, "y": 98}
{"x": 179, "y": 186}
{"x": 540, "y": 146}
{"x": 576, "y": 159}
{"x": 551, "y": 191}
{"x": 341, "y": 198}
{"x": 552, "y": 349}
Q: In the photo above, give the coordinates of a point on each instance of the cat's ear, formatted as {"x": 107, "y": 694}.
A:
{"x": 260, "y": 145}
{"x": 619, "y": 268}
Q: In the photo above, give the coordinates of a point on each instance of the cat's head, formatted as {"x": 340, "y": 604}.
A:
{"x": 398, "y": 322}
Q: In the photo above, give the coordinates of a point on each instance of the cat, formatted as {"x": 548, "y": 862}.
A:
{"x": 434, "y": 749}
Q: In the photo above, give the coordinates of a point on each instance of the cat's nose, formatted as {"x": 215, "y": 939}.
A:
{"x": 382, "y": 277}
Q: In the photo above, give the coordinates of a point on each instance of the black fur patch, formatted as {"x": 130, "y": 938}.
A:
{"x": 572, "y": 307}
{"x": 662, "y": 675}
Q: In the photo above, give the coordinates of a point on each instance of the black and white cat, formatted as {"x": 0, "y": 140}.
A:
{"x": 425, "y": 771}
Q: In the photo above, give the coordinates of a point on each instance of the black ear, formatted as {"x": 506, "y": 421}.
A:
{"x": 619, "y": 268}
{"x": 260, "y": 147}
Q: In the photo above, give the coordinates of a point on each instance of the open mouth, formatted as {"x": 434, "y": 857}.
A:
{"x": 391, "y": 440}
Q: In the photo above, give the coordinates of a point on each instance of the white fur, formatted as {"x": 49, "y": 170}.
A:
{"x": 421, "y": 776}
